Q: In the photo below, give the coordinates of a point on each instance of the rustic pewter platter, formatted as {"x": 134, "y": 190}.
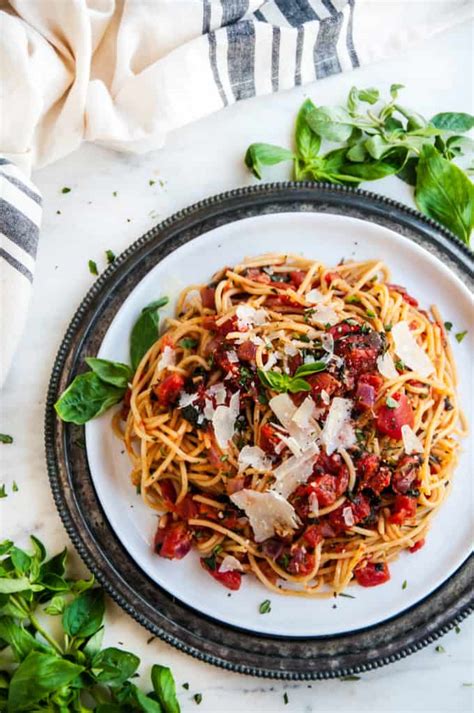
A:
{"x": 351, "y": 638}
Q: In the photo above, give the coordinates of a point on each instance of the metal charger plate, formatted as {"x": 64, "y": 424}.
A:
{"x": 78, "y": 505}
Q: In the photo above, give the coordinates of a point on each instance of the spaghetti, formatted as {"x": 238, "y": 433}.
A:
{"x": 295, "y": 422}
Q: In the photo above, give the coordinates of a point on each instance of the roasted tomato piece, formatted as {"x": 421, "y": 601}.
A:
{"x": 405, "y": 473}
{"x": 371, "y": 475}
{"x": 187, "y": 508}
{"x": 233, "y": 485}
{"x": 257, "y": 275}
{"x": 169, "y": 389}
{"x": 368, "y": 386}
{"x": 208, "y": 297}
{"x": 404, "y": 508}
{"x": 168, "y": 493}
{"x": 173, "y": 541}
{"x": 284, "y": 304}
{"x": 391, "y": 420}
{"x": 322, "y": 382}
{"x": 294, "y": 363}
{"x": 230, "y": 325}
{"x": 302, "y": 562}
{"x": 297, "y": 278}
{"x": 247, "y": 352}
{"x": 360, "y": 507}
{"x": 370, "y": 574}
{"x": 268, "y": 571}
{"x": 403, "y": 292}
{"x": 342, "y": 480}
{"x": 417, "y": 546}
{"x": 360, "y": 352}
{"x": 330, "y": 277}
{"x": 232, "y": 580}
{"x": 327, "y": 464}
{"x": 312, "y": 535}
{"x": 324, "y": 487}
{"x": 343, "y": 329}
{"x": 269, "y": 438}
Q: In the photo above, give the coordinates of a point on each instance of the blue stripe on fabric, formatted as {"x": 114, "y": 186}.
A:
{"x": 16, "y": 264}
{"x": 241, "y": 59}
{"x": 18, "y": 228}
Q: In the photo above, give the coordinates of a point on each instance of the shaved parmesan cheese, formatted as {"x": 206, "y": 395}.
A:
{"x": 409, "y": 351}
{"x": 348, "y": 516}
{"x": 271, "y": 361}
{"x": 291, "y": 442}
{"x": 187, "y": 399}
{"x": 248, "y": 316}
{"x": 208, "y": 410}
{"x": 232, "y": 356}
{"x": 192, "y": 297}
{"x": 304, "y": 414}
{"x": 314, "y": 296}
{"x": 386, "y": 366}
{"x": 254, "y": 457}
{"x": 218, "y": 392}
{"x": 294, "y": 471}
{"x": 338, "y": 431}
{"x": 325, "y": 398}
{"x": 290, "y": 349}
{"x": 167, "y": 358}
{"x": 230, "y": 564}
{"x": 266, "y": 512}
{"x": 324, "y": 315}
{"x": 411, "y": 442}
{"x": 285, "y": 410}
{"x": 327, "y": 342}
{"x": 223, "y": 421}
{"x": 313, "y": 505}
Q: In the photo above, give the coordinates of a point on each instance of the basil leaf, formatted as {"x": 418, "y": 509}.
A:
{"x": 55, "y": 565}
{"x": 145, "y": 331}
{"x": 114, "y": 666}
{"x": 307, "y": 141}
{"x": 83, "y": 616}
{"x": 274, "y": 380}
{"x": 444, "y": 192}
{"x": 312, "y": 368}
{"x": 94, "y": 643}
{"x": 357, "y": 153}
{"x": 394, "y": 90}
{"x": 297, "y": 384}
{"x": 85, "y": 398}
{"x": 165, "y": 689}
{"x": 56, "y": 605}
{"x": 5, "y": 546}
{"x": 37, "y": 676}
{"x": 377, "y": 146}
{"x": 407, "y": 173}
{"x": 458, "y": 122}
{"x": 5, "y": 438}
{"x": 415, "y": 120}
{"x": 39, "y": 548}
{"x": 10, "y": 586}
{"x": 374, "y": 170}
{"x": 457, "y": 145}
{"x": 21, "y": 560}
{"x": 370, "y": 95}
{"x": 331, "y": 123}
{"x": 112, "y": 372}
{"x": 20, "y": 640}
{"x": 259, "y": 155}
{"x": 353, "y": 100}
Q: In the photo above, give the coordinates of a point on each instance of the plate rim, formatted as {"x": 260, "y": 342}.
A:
{"x": 311, "y": 197}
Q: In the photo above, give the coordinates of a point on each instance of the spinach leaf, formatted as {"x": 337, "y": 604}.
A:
{"x": 165, "y": 689}
{"x": 87, "y": 397}
{"x": 145, "y": 331}
{"x": 331, "y": 123}
{"x": 259, "y": 155}
{"x": 37, "y": 676}
{"x": 83, "y": 616}
{"x": 307, "y": 141}
{"x": 114, "y": 666}
{"x": 112, "y": 372}
{"x": 458, "y": 122}
{"x": 444, "y": 193}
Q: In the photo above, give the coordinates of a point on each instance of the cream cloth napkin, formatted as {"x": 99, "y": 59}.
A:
{"x": 123, "y": 73}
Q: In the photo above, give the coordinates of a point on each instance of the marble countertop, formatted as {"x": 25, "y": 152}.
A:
{"x": 198, "y": 161}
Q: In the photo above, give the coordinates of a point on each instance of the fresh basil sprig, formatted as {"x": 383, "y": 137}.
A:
{"x": 53, "y": 670}
{"x": 95, "y": 391}
{"x": 393, "y": 140}
{"x": 284, "y": 382}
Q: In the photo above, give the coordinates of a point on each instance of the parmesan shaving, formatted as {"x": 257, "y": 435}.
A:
{"x": 386, "y": 366}
{"x": 324, "y": 315}
{"x": 266, "y": 512}
{"x": 338, "y": 431}
{"x": 303, "y": 415}
{"x": 411, "y": 442}
{"x": 223, "y": 421}
{"x": 187, "y": 399}
{"x": 348, "y": 516}
{"x": 409, "y": 351}
{"x": 230, "y": 564}
{"x": 294, "y": 471}
{"x": 254, "y": 457}
{"x": 314, "y": 296}
{"x": 248, "y": 316}
{"x": 167, "y": 359}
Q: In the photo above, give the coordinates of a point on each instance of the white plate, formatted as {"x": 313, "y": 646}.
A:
{"x": 328, "y": 238}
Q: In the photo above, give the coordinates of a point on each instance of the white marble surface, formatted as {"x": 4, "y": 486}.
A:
{"x": 199, "y": 161}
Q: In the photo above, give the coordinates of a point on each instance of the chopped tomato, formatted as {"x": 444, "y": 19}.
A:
{"x": 187, "y": 508}
{"x": 391, "y": 420}
{"x": 342, "y": 480}
{"x": 371, "y": 475}
{"x": 257, "y": 275}
{"x": 208, "y": 297}
{"x": 232, "y": 580}
{"x": 330, "y": 277}
{"x": 230, "y": 325}
{"x": 327, "y": 464}
{"x": 269, "y": 439}
{"x": 173, "y": 541}
{"x": 324, "y": 487}
{"x": 297, "y": 278}
{"x": 302, "y": 562}
{"x": 367, "y": 387}
{"x": 417, "y": 546}
{"x": 360, "y": 507}
{"x": 330, "y": 467}
{"x": 247, "y": 351}
{"x": 169, "y": 389}
{"x": 371, "y": 574}
{"x": 360, "y": 352}
{"x": 284, "y": 304}
{"x": 294, "y": 363}
{"x": 322, "y": 382}
{"x": 209, "y": 322}
{"x": 343, "y": 329}
{"x": 402, "y": 291}
{"x": 168, "y": 493}
{"x": 405, "y": 473}
{"x": 404, "y": 508}
{"x": 312, "y": 535}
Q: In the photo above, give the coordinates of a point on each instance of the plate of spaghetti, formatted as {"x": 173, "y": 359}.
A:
{"x": 295, "y": 436}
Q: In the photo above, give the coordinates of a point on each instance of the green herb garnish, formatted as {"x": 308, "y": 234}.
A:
{"x": 93, "y": 267}
{"x": 65, "y": 190}
{"x": 265, "y": 607}
{"x": 448, "y": 326}
{"x": 188, "y": 343}
{"x": 285, "y": 698}
{"x": 370, "y": 313}
{"x": 3, "y": 492}
{"x": 110, "y": 255}
{"x": 5, "y": 438}
{"x": 15, "y": 487}
{"x": 197, "y": 698}
{"x": 405, "y": 584}
{"x": 186, "y": 686}
{"x": 460, "y": 336}
{"x": 284, "y": 382}
{"x": 440, "y": 649}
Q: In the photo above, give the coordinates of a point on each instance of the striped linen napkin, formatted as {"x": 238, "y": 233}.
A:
{"x": 123, "y": 74}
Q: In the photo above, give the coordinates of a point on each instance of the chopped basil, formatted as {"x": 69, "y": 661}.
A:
{"x": 399, "y": 364}
{"x": 151, "y": 182}
{"x": 440, "y": 649}
{"x": 457, "y": 630}
{"x": 211, "y": 562}
{"x": 460, "y": 336}
{"x": 448, "y": 326}
{"x": 138, "y": 488}
{"x": 65, "y": 190}
{"x": 197, "y": 698}
{"x": 391, "y": 402}
{"x": 5, "y": 438}
{"x": 186, "y": 686}
{"x": 285, "y": 698}
{"x": 388, "y": 327}
{"x": 93, "y": 267}
{"x": 347, "y": 596}
{"x": 224, "y": 458}
{"x": 350, "y": 678}
{"x": 352, "y": 299}
{"x": 370, "y": 313}
{"x": 265, "y": 607}
{"x": 188, "y": 343}
{"x": 262, "y": 399}
{"x": 405, "y": 584}
{"x": 114, "y": 193}
{"x": 3, "y": 492}
{"x": 110, "y": 255}
{"x": 14, "y": 487}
